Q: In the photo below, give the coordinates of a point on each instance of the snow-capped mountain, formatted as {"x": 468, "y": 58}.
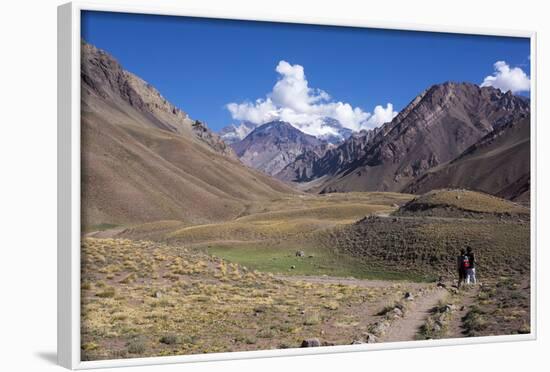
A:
{"x": 236, "y": 132}
{"x": 334, "y": 131}
{"x": 330, "y": 130}
{"x": 272, "y": 146}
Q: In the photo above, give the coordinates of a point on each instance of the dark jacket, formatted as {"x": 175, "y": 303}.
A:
{"x": 472, "y": 260}
{"x": 459, "y": 260}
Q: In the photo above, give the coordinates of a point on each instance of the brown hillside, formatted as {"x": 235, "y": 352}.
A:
{"x": 145, "y": 160}
{"x": 435, "y": 128}
{"x": 461, "y": 203}
{"x": 498, "y": 164}
{"x": 426, "y": 234}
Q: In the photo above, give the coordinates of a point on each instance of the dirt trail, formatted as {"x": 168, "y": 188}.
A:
{"x": 456, "y": 328}
{"x": 406, "y": 328}
{"x": 365, "y": 283}
{"x": 105, "y": 234}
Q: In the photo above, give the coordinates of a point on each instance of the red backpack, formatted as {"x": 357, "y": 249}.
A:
{"x": 465, "y": 262}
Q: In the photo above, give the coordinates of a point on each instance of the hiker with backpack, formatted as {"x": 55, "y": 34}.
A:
{"x": 462, "y": 263}
{"x": 471, "y": 270}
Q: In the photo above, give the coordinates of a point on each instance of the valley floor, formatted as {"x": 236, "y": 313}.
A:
{"x": 299, "y": 268}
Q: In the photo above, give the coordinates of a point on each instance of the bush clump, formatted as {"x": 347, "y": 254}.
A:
{"x": 137, "y": 346}
{"x": 170, "y": 339}
{"x": 107, "y": 292}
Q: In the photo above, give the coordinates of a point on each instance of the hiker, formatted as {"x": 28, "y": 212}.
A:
{"x": 461, "y": 262}
{"x": 471, "y": 271}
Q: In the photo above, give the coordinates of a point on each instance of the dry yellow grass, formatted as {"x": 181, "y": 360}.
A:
{"x": 470, "y": 201}
{"x": 167, "y": 300}
{"x": 276, "y": 218}
{"x": 292, "y": 217}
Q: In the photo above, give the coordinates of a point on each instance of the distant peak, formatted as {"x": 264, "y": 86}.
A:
{"x": 277, "y": 124}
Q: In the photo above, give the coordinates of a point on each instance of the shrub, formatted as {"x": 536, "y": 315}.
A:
{"x": 312, "y": 319}
{"x": 170, "y": 339}
{"x": 106, "y": 293}
{"x": 89, "y": 346}
{"x": 137, "y": 346}
{"x": 250, "y": 340}
{"x": 120, "y": 316}
{"x": 129, "y": 279}
{"x": 266, "y": 333}
{"x": 261, "y": 308}
{"x": 332, "y": 305}
{"x": 474, "y": 321}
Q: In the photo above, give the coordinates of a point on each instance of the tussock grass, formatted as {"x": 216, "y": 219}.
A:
{"x": 437, "y": 323}
{"x": 170, "y": 339}
{"x": 106, "y": 292}
{"x": 502, "y": 306}
{"x": 137, "y": 345}
{"x": 331, "y": 305}
{"x": 475, "y": 321}
{"x": 209, "y": 305}
{"x": 287, "y": 224}
{"x": 211, "y": 287}
{"x": 312, "y": 319}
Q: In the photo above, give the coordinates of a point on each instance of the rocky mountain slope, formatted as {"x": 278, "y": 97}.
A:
{"x": 310, "y": 164}
{"x": 435, "y": 128}
{"x": 498, "y": 164}
{"x": 104, "y": 76}
{"x": 143, "y": 159}
{"x": 272, "y": 146}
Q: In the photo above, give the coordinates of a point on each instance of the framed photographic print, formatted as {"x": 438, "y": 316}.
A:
{"x": 240, "y": 186}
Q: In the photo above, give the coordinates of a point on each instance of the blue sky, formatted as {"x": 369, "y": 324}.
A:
{"x": 201, "y": 65}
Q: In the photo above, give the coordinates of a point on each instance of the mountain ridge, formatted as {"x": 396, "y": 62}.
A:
{"x": 434, "y": 128}
{"x": 145, "y": 160}
{"x": 106, "y": 77}
{"x": 331, "y": 130}
{"x": 271, "y": 146}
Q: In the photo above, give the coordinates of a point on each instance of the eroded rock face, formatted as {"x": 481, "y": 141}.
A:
{"x": 102, "y": 75}
{"x": 436, "y": 127}
{"x": 145, "y": 160}
{"x": 312, "y": 164}
{"x": 201, "y": 131}
{"x": 272, "y": 146}
{"x": 498, "y": 164}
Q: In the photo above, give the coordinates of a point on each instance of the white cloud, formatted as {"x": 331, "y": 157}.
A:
{"x": 506, "y": 78}
{"x": 292, "y": 100}
{"x": 381, "y": 115}
{"x": 257, "y": 112}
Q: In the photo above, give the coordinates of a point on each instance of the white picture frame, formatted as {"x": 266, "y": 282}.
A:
{"x": 69, "y": 230}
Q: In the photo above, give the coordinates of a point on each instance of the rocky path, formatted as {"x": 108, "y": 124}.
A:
{"x": 456, "y": 328}
{"x": 105, "y": 234}
{"x": 406, "y": 328}
{"x": 366, "y": 283}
